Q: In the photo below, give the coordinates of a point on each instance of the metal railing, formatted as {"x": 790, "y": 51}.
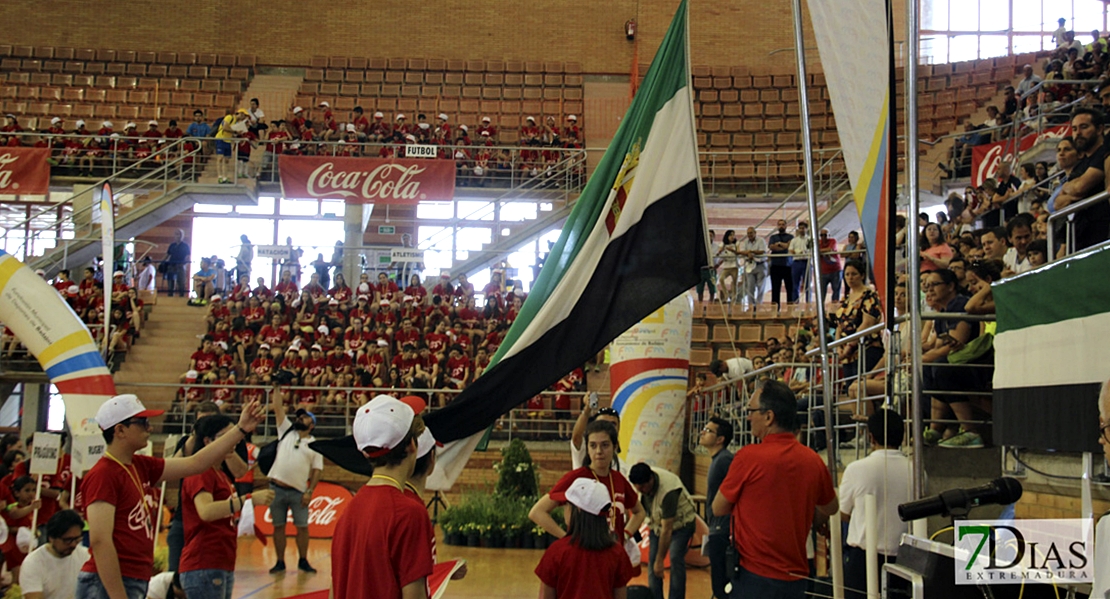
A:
{"x": 148, "y": 175}
{"x": 1070, "y": 211}
{"x": 336, "y": 418}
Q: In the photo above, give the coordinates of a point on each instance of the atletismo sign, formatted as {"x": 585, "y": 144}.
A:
{"x": 367, "y": 180}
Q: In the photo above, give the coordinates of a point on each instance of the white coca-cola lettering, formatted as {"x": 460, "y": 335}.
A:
{"x": 5, "y": 172}
{"x": 388, "y": 181}
{"x": 322, "y": 511}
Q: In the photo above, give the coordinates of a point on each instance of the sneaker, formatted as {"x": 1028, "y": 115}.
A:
{"x": 304, "y": 566}
{"x": 964, "y": 440}
{"x": 278, "y": 568}
{"x": 932, "y": 436}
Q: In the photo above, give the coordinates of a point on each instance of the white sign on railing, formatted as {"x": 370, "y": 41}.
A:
{"x": 421, "y": 151}
{"x": 406, "y": 255}
{"x": 277, "y": 252}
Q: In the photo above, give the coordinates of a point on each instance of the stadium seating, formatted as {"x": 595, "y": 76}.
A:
{"x": 117, "y": 84}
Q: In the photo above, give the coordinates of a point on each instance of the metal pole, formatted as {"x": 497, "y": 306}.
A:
{"x": 811, "y": 198}
{"x": 913, "y": 258}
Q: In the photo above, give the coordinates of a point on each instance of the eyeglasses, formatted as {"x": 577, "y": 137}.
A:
{"x": 1104, "y": 432}
{"x": 71, "y": 540}
{"x": 709, "y": 430}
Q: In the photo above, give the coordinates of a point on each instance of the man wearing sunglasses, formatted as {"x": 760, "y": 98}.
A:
{"x": 121, "y": 518}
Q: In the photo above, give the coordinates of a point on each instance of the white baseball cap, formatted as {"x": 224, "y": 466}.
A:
{"x": 118, "y": 273}
{"x": 55, "y": 121}
{"x": 297, "y": 109}
{"x": 191, "y": 375}
{"x": 80, "y": 124}
{"x": 333, "y": 302}
{"x": 464, "y": 127}
{"x": 587, "y": 495}
{"x": 443, "y": 116}
{"x": 572, "y": 118}
{"x": 222, "y": 345}
{"x": 152, "y": 122}
{"x": 379, "y": 115}
{"x": 120, "y": 408}
{"x": 214, "y": 298}
{"x": 264, "y": 346}
{"x": 316, "y": 346}
{"x": 384, "y": 302}
{"x": 383, "y": 343}
{"x": 485, "y": 119}
{"x": 384, "y": 422}
{"x": 106, "y": 124}
{"x": 325, "y": 104}
{"x": 322, "y": 329}
{"x": 364, "y": 287}
{"x": 399, "y": 116}
{"x": 129, "y": 126}
{"x": 425, "y": 443}
{"x": 530, "y": 118}
{"x": 350, "y": 127}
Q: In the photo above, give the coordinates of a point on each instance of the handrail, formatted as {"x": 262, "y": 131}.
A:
{"x": 161, "y": 170}
{"x": 1068, "y": 210}
{"x": 1018, "y": 196}
{"x": 94, "y": 186}
{"x": 860, "y": 334}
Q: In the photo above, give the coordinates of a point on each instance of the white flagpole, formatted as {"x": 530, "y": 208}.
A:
{"x": 107, "y": 240}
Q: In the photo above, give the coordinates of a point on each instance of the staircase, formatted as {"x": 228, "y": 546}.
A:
{"x": 169, "y": 338}
{"x": 275, "y": 95}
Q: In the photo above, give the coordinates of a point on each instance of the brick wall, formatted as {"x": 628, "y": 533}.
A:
{"x": 288, "y": 32}
{"x": 1051, "y": 505}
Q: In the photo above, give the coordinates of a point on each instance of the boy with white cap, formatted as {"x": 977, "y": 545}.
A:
{"x": 382, "y": 544}
{"x": 120, "y": 514}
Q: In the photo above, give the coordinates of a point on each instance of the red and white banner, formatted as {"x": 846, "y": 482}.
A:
{"x": 367, "y": 180}
{"x": 329, "y": 501}
{"x": 986, "y": 158}
{"x": 24, "y": 171}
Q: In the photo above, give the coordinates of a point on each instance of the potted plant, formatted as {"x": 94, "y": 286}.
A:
{"x": 473, "y": 535}
{"x": 517, "y": 473}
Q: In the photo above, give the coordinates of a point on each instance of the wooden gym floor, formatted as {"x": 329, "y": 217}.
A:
{"x": 492, "y": 573}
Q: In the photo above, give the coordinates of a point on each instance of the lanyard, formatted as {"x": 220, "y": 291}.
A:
{"x": 396, "y": 482}
{"x": 612, "y": 504}
{"x": 134, "y": 476}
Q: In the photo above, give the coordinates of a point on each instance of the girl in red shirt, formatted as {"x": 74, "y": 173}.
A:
{"x": 587, "y": 563}
{"x": 209, "y": 506}
{"x": 18, "y": 515}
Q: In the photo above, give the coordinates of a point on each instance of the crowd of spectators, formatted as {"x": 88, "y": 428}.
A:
{"x": 477, "y": 149}
{"x": 86, "y": 297}
{"x": 415, "y": 339}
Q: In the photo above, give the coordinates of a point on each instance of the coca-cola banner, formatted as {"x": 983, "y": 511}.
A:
{"x": 329, "y": 501}
{"x": 367, "y": 180}
{"x": 24, "y": 171}
{"x": 986, "y": 158}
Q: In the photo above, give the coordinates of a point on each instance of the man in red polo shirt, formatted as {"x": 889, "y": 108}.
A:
{"x": 772, "y": 490}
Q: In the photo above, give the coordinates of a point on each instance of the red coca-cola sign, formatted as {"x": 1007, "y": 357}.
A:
{"x": 24, "y": 171}
{"x": 329, "y": 501}
{"x": 367, "y": 180}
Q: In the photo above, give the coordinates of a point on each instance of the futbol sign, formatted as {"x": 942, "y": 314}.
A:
{"x": 367, "y": 180}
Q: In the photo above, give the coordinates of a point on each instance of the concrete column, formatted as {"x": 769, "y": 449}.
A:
{"x": 34, "y": 409}
{"x": 355, "y": 219}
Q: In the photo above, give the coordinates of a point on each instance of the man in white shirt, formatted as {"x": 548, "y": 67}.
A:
{"x": 50, "y": 572}
{"x": 753, "y": 255}
{"x": 1020, "y": 232}
{"x": 1028, "y": 81}
{"x": 800, "y": 248}
{"x": 1058, "y": 35}
{"x": 888, "y": 475}
{"x": 732, "y": 368}
{"x": 293, "y": 478}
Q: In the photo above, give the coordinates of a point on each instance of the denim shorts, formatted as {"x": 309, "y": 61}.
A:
{"x": 284, "y": 500}
{"x": 90, "y": 587}
{"x": 223, "y": 148}
{"x": 208, "y": 584}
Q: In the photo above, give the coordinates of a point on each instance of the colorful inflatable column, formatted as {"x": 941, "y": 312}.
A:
{"x": 649, "y": 368}
{"x": 50, "y": 330}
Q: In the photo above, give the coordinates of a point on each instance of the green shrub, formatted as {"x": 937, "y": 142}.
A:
{"x": 517, "y": 473}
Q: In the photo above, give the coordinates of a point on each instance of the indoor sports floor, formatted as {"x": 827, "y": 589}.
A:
{"x": 492, "y": 573}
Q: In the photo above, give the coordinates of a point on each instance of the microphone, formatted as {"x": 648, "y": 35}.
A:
{"x": 1001, "y": 491}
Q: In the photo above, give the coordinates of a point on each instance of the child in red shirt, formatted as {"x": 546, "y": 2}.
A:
{"x": 18, "y": 515}
{"x": 587, "y": 563}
